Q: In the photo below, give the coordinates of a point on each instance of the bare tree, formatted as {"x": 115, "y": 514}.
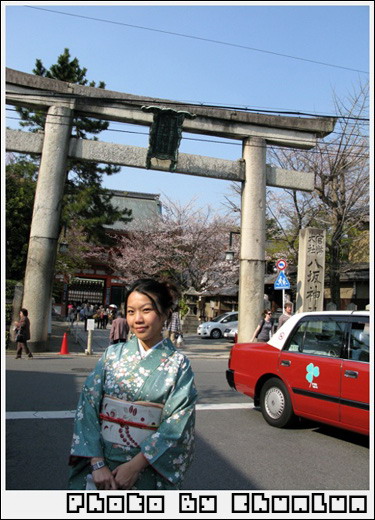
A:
{"x": 340, "y": 201}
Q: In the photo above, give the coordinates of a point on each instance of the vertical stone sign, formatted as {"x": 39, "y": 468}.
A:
{"x": 311, "y": 268}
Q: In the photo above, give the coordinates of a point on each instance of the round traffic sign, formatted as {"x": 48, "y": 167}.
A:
{"x": 281, "y": 265}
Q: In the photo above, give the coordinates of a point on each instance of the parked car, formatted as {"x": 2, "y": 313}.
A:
{"x": 215, "y": 328}
{"x": 315, "y": 366}
{"x": 232, "y": 331}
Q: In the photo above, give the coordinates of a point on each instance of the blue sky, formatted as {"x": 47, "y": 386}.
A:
{"x": 131, "y": 48}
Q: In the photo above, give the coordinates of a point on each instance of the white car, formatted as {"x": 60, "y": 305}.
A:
{"x": 231, "y": 331}
{"x": 215, "y": 328}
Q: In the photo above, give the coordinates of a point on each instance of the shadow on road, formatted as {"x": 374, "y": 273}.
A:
{"x": 41, "y": 446}
{"x": 210, "y": 470}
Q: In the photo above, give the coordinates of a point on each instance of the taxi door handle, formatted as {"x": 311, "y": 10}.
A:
{"x": 351, "y": 373}
{"x": 285, "y": 363}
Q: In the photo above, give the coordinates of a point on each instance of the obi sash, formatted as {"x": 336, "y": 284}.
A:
{"x": 128, "y": 423}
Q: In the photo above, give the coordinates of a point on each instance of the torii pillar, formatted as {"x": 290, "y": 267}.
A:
{"x": 253, "y": 233}
{"x": 45, "y": 225}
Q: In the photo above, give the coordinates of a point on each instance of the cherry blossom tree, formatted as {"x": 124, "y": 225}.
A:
{"x": 186, "y": 245}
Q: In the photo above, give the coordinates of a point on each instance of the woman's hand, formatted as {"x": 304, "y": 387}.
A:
{"x": 104, "y": 479}
{"x": 127, "y": 474}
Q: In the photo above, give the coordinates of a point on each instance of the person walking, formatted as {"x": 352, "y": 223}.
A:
{"x": 264, "y": 330}
{"x": 88, "y": 312}
{"x": 288, "y": 309}
{"x": 105, "y": 317}
{"x": 22, "y": 330}
{"x": 173, "y": 327}
{"x": 72, "y": 314}
{"x": 135, "y": 419}
{"x": 119, "y": 329}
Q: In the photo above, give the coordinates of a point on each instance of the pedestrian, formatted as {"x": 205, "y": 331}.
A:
{"x": 134, "y": 426}
{"x": 119, "y": 329}
{"x": 101, "y": 317}
{"x": 88, "y": 313}
{"x": 173, "y": 326}
{"x": 72, "y": 313}
{"x": 113, "y": 314}
{"x": 98, "y": 317}
{"x": 288, "y": 309}
{"x": 265, "y": 329}
{"x": 105, "y": 317}
{"x": 22, "y": 334}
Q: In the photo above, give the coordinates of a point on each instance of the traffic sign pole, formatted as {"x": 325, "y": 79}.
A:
{"x": 282, "y": 281}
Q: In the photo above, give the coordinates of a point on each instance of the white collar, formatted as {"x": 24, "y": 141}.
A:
{"x": 143, "y": 352}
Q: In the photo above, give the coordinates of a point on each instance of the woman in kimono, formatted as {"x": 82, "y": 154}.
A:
{"x": 134, "y": 424}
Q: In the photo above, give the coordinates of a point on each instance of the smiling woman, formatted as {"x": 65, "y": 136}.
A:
{"x": 145, "y": 315}
{"x": 134, "y": 426}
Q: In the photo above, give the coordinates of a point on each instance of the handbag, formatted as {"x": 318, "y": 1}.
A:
{"x": 19, "y": 337}
{"x": 180, "y": 341}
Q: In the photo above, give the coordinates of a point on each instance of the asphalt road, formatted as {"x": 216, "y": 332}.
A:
{"x": 236, "y": 449}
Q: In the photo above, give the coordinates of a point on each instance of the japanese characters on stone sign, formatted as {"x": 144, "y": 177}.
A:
{"x": 315, "y": 270}
{"x": 311, "y": 270}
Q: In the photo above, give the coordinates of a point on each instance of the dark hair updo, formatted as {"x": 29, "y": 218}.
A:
{"x": 163, "y": 295}
{"x": 24, "y": 312}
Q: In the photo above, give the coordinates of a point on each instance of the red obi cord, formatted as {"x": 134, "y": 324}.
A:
{"x": 122, "y": 422}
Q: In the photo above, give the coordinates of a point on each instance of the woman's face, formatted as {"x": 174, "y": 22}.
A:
{"x": 143, "y": 319}
{"x": 268, "y": 316}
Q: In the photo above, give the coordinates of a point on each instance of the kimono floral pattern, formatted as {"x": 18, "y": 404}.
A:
{"x": 164, "y": 376}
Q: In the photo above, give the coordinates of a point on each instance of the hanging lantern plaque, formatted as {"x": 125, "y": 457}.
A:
{"x": 165, "y": 137}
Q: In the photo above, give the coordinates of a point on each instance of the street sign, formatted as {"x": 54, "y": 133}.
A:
{"x": 281, "y": 265}
{"x": 281, "y": 281}
{"x": 90, "y": 324}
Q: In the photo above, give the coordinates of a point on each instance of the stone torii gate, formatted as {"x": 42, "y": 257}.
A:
{"x": 62, "y": 101}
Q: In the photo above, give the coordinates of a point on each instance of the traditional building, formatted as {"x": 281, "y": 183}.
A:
{"x": 97, "y": 283}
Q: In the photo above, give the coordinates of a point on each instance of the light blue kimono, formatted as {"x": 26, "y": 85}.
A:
{"x": 164, "y": 376}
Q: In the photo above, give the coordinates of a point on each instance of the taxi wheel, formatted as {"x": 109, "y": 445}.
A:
{"x": 275, "y": 403}
{"x": 216, "y": 334}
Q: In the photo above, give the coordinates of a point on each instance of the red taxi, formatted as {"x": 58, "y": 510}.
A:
{"x": 315, "y": 366}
